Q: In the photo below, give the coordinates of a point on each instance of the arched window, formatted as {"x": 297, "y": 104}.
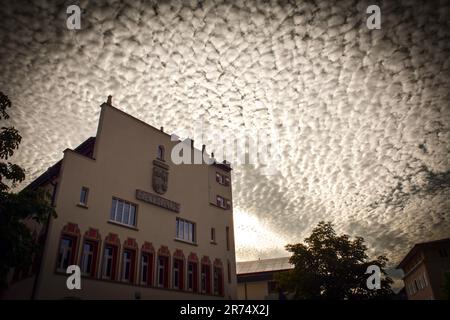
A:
{"x": 160, "y": 154}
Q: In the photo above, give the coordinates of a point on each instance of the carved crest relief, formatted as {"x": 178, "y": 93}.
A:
{"x": 160, "y": 177}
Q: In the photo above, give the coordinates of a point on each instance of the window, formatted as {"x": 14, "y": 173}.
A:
{"x": 218, "y": 281}
{"x": 176, "y": 274}
{"x": 66, "y": 254}
{"x": 109, "y": 262}
{"x": 222, "y": 179}
{"x": 89, "y": 258}
{"x": 123, "y": 212}
{"x": 84, "y": 196}
{"x": 227, "y": 234}
{"x": 185, "y": 230}
{"x": 128, "y": 265}
{"x": 163, "y": 268}
{"x": 223, "y": 203}
{"x": 229, "y": 271}
{"x": 146, "y": 268}
{"x": 178, "y": 278}
{"x": 160, "y": 153}
{"x": 192, "y": 276}
{"x": 213, "y": 235}
{"x": 205, "y": 278}
{"x": 220, "y": 201}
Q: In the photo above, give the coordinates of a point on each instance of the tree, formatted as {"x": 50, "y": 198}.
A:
{"x": 17, "y": 243}
{"x": 331, "y": 266}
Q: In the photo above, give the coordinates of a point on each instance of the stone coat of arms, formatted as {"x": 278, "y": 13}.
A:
{"x": 160, "y": 179}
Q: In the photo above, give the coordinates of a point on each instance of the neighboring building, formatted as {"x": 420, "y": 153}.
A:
{"x": 256, "y": 278}
{"x": 424, "y": 267}
{"x": 139, "y": 226}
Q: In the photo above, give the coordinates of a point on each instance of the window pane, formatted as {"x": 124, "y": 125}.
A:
{"x": 186, "y": 230}
{"x": 83, "y": 195}
{"x": 176, "y": 230}
{"x": 133, "y": 215}
{"x": 191, "y": 233}
{"x": 107, "y": 262}
{"x": 87, "y": 258}
{"x": 113, "y": 209}
{"x": 126, "y": 213}
{"x": 119, "y": 212}
{"x": 181, "y": 228}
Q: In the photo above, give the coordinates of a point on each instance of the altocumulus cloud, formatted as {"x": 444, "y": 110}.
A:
{"x": 362, "y": 116}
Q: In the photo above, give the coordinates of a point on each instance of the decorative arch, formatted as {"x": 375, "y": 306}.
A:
{"x": 90, "y": 252}
{"x": 178, "y": 263}
{"x": 92, "y": 234}
{"x": 68, "y": 246}
{"x": 205, "y": 275}
{"x": 71, "y": 229}
{"x": 192, "y": 272}
{"x": 147, "y": 264}
{"x": 110, "y": 261}
{"x": 130, "y": 243}
{"x": 218, "y": 277}
{"x": 218, "y": 263}
{"x": 147, "y": 247}
{"x": 163, "y": 267}
{"x": 193, "y": 257}
{"x": 113, "y": 239}
{"x": 128, "y": 265}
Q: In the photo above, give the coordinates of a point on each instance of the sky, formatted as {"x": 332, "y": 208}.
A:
{"x": 359, "y": 118}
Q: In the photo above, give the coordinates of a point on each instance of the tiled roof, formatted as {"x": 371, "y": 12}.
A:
{"x": 264, "y": 265}
{"x": 85, "y": 149}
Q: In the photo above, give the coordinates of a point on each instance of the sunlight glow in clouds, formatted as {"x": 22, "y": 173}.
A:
{"x": 255, "y": 238}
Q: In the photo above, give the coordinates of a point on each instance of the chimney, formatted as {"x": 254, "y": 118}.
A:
{"x": 162, "y": 129}
{"x": 212, "y": 155}
{"x": 203, "y": 148}
{"x": 109, "y": 101}
{"x": 192, "y": 143}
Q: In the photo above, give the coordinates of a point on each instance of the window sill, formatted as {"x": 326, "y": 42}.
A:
{"x": 186, "y": 242}
{"x": 213, "y": 242}
{"x": 81, "y": 205}
{"x": 123, "y": 225}
{"x": 217, "y": 206}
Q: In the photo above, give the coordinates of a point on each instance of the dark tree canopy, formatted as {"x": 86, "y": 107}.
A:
{"x": 17, "y": 243}
{"x": 331, "y": 266}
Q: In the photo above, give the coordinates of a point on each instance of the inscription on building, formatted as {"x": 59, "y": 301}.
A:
{"x": 157, "y": 200}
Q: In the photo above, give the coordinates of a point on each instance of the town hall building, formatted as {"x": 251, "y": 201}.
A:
{"x": 137, "y": 225}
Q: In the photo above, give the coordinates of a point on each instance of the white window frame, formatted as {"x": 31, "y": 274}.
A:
{"x": 176, "y": 274}
{"x": 185, "y": 230}
{"x": 161, "y": 267}
{"x": 190, "y": 275}
{"x": 127, "y": 261}
{"x": 65, "y": 252}
{"x": 85, "y": 257}
{"x": 123, "y": 212}
{"x": 145, "y": 265}
{"x": 84, "y": 195}
{"x": 105, "y": 262}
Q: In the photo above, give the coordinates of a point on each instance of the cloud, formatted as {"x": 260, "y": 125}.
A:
{"x": 362, "y": 115}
